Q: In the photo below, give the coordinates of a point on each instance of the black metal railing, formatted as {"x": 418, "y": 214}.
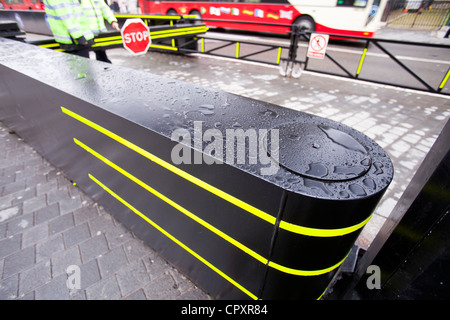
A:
{"x": 398, "y": 72}
{"x": 363, "y": 64}
{"x": 417, "y": 14}
{"x": 406, "y": 72}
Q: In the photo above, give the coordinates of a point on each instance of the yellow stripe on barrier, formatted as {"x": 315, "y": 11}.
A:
{"x": 202, "y": 222}
{"x": 171, "y": 237}
{"x": 308, "y": 273}
{"x": 107, "y": 39}
{"x": 444, "y": 81}
{"x": 314, "y": 232}
{"x": 324, "y": 233}
{"x": 157, "y": 46}
{"x": 171, "y": 35}
{"x": 49, "y": 45}
{"x": 237, "y": 50}
{"x": 279, "y": 55}
{"x": 103, "y": 44}
{"x": 221, "y": 194}
{"x": 178, "y": 31}
{"x": 363, "y": 56}
{"x": 154, "y": 16}
{"x": 172, "y": 203}
{"x": 175, "y": 30}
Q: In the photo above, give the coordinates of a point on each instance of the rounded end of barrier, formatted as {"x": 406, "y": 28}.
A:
{"x": 328, "y": 160}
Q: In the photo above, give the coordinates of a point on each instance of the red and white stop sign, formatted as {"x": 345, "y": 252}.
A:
{"x": 135, "y": 36}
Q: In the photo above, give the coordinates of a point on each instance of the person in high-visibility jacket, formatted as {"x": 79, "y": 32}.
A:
{"x": 74, "y": 24}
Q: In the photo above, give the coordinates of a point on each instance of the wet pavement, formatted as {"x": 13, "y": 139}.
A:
{"x": 47, "y": 224}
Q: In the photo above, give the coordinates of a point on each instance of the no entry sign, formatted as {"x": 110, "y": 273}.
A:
{"x": 135, "y": 36}
{"x": 317, "y": 45}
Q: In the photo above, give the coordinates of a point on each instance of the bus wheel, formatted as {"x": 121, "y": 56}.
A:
{"x": 197, "y": 15}
{"x": 172, "y": 12}
{"x": 305, "y": 23}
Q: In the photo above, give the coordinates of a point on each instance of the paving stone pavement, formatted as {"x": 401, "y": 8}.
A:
{"x": 47, "y": 225}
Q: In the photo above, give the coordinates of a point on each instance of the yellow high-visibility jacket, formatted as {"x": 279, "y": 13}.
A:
{"x": 77, "y": 21}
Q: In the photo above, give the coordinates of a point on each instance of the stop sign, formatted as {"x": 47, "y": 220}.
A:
{"x": 135, "y": 36}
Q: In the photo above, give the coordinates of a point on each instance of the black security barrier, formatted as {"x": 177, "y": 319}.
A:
{"x": 276, "y": 229}
{"x": 34, "y": 21}
{"x": 164, "y": 37}
{"x": 28, "y": 20}
{"x": 11, "y": 30}
{"x": 412, "y": 249}
{"x": 168, "y": 33}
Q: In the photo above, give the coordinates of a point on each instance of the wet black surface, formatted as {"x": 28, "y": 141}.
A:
{"x": 314, "y": 151}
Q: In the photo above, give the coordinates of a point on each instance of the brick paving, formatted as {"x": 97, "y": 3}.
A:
{"x": 47, "y": 224}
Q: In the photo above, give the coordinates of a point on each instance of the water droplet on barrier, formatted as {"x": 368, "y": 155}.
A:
{"x": 207, "y": 112}
{"x": 378, "y": 168}
{"x": 344, "y": 194}
{"x": 343, "y": 139}
{"x": 207, "y": 109}
{"x": 357, "y": 190}
{"x": 349, "y": 170}
{"x": 270, "y": 113}
{"x": 207, "y": 106}
{"x": 317, "y": 170}
{"x": 293, "y": 180}
{"x": 369, "y": 183}
{"x": 316, "y": 185}
{"x": 278, "y": 178}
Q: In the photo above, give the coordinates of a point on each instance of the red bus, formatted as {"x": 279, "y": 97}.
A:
{"x": 22, "y": 4}
{"x": 343, "y": 17}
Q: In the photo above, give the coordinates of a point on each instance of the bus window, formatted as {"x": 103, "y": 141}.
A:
{"x": 22, "y": 4}
{"x": 352, "y": 3}
{"x": 8, "y": 2}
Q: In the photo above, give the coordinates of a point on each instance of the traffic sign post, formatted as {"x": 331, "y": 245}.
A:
{"x": 135, "y": 36}
{"x": 317, "y": 45}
